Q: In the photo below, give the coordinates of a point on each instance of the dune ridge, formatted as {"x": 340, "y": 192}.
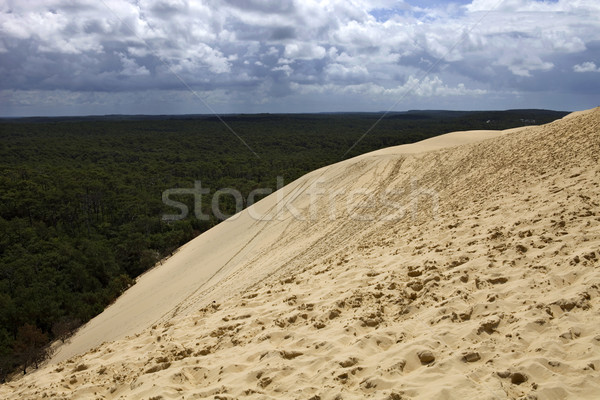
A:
{"x": 485, "y": 285}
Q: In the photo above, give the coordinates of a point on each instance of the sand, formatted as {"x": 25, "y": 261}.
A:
{"x": 463, "y": 266}
{"x": 236, "y": 245}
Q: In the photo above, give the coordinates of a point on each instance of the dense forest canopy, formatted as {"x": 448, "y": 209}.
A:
{"x": 81, "y": 197}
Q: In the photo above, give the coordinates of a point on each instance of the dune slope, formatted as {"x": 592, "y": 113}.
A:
{"x": 453, "y": 268}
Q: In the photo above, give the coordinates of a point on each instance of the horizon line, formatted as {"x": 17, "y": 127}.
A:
{"x": 276, "y": 113}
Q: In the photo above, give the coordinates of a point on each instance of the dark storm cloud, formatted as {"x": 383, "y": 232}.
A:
{"x": 246, "y": 32}
{"x": 168, "y": 8}
{"x": 249, "y": 54}
{"x": 282, "y": 33}
{"x": 264, "y": 6}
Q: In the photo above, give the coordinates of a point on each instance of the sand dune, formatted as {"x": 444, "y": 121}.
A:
{"x": 237, "y": 245}
{"x": 464, "y": 266}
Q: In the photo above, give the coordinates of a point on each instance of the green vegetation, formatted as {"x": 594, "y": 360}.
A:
{"x": 81, "y": 206}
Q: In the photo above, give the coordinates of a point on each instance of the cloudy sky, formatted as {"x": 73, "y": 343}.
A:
{"x": 79, "y": 57}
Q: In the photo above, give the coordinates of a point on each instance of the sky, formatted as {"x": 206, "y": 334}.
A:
{"x": 95, "y": 57}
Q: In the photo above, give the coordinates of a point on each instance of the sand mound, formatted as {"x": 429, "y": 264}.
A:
{"x": 452, "y": 268}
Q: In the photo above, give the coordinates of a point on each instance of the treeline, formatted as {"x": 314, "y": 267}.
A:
{"x": 81, "y": 204}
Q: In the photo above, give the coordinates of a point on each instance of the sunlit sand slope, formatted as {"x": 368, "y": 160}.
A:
{"x": 233, "y": 255}
{"x": 453, "y": 268}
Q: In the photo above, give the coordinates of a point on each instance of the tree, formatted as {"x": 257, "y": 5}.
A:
{"x": 64, "y": 328}
{"x": 31, "y": 346}
{"x": 6, "y": 355}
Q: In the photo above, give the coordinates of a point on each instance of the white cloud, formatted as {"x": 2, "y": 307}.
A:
{"x": 523, "y": 64}
{"x": 277, "y": 47}
{"x": 197, "y": 58}
{"x": 304, "y": 51}
{"x": 533, "y": 5}
{"x": 413, "y": 87}
{"x": 341, "y": 72}
{"x": 130, "y": 68}
{"x": 588, "y": 66}
{"x": 285, "y": 68}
